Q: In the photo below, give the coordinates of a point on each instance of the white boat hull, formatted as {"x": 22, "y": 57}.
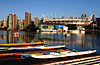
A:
{"x": 61, "y": 54}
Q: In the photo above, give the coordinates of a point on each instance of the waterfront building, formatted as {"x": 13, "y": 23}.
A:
{"x": 4, "y": 24}
{"x": 36, "y": 21}
{"x": 81, "y": 23}
{"x": 9, "y": 19}
{"x": 27, "y": 19}
{"x": 15, "y": 21}
{"x": 23, "y": 23}
{"x": 0, "y": 23}
{"x": 17, "y": 26}
{"x": 98, "y": 22}
{"x": 21, "y": 26}
{"x": 12, "y": 21}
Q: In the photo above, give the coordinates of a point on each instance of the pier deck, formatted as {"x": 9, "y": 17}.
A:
{"x": 94, "y": 60}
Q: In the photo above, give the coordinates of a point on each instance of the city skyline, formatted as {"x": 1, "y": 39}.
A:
{"x": 48, "y": 7}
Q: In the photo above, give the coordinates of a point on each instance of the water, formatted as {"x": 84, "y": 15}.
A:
{"x": 87, "y": 41}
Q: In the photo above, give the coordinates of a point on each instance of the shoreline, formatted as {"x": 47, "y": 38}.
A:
{"x": 39, "y": 30}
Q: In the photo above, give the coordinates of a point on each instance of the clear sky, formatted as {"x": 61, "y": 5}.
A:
{"x": 58, "y": 7}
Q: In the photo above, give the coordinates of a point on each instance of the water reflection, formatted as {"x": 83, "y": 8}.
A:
{"x": 73, "y": 41}
{"x": 9, "y": 37}
{"x": 89, "y": 40}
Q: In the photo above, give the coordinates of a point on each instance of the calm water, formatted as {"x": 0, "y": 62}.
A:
{"x": 87, "y": 41}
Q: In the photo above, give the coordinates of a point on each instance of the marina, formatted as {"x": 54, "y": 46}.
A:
{"x": 55, "y": 44}
{"x": 53, "y": 32}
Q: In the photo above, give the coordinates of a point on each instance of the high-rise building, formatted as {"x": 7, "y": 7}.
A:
{"x": 23, "y": 23}
{"x": 18, "y": 20}
{"x": 15, "y": 21}
{"x": 27, "y": 19}
{"x": 36, "y": 21}
{"x": 21, "y": 27}
{"x": 9, "y": 19}
{"x": 12, "y": 21}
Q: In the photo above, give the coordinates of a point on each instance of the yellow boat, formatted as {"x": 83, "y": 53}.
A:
{"x": 21, "y": 44}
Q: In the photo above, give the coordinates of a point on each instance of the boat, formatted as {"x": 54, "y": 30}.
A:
{"x": 9, "y": 54}
{"x": 34, "y": 48}
{"x": 5, "y": 53}
{"x": 77, "y": 31}
{"x": 67, "y": 34}
{"x": 21, "y": 44}
{"x": 53, "y": 47}
{"x": 48, "y": 31}
{"x": 60, "y": 54}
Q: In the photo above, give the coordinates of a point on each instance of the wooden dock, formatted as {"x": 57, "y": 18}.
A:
{"x": 94, "y": 60}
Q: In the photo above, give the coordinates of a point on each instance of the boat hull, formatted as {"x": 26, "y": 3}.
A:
{"x": 58, "y": 55}
{"x": 33, "y": 48}
{"x": 21, "y": 44}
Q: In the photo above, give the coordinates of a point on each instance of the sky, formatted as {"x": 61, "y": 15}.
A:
{"x": 54, "y": 8}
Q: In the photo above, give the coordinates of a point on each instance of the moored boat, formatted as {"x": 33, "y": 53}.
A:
{"x": 21, "y": 44}
{"x": 57, "y": 54}
{"x": 9, "y": 54}
{"x": 67, "y": 34}
{"x": 34, "y": 48}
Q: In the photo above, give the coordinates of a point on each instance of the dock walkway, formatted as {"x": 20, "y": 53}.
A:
{"x": 94, "y": 60}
